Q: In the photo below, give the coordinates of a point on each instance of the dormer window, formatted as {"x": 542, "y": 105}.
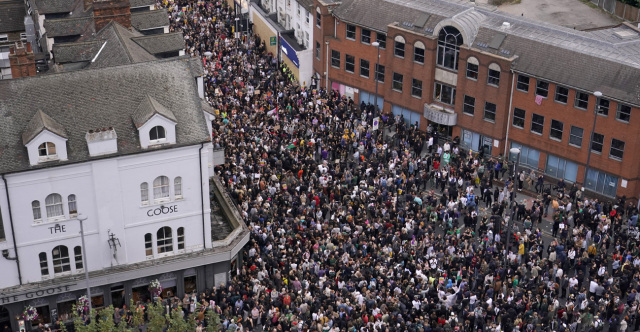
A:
{"x": 45, "y": 139}
{"x": 157, "y": 134}
{"x": 47, "y": 149}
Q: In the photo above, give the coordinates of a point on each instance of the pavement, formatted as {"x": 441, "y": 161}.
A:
{"x": 568, "y": 13}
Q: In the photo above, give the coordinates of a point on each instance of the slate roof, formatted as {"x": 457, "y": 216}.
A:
{"x": 120, "y": 49}
{"x": 39, "y": 122}
{"x": 141, "y": 3}
{"x": 150, "y": 19}
{"x": 12, "y": 17}
{"x": 68, "y": 26}
{"x": 55, "y": 6}
{"x": 100, "y": 98}
{"x": 76, "y": 52}
{"x": 307, "y": 4}
{"x": 587, "y": 60}
{"x": 149, "y": 107}
{"x": 161, "y": 43}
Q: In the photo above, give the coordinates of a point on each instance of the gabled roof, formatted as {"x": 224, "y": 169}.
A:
{"x": 40, "y": 122}
{"x": 68, "y": 26}
{"x": 76, "y": 52}
{"x": 12, "y": 17}
{"x": 100, "y": 98}
{"x": 161, "y": 43}
{"x": 149, "y": 107}
{"x": 150, "y": 19}
{"x": 120, "y": 49}
{"x": 141, "y": 3}
{"x": 55, "y": 6}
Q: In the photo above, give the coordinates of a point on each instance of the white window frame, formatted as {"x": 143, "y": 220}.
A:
{"x": 50, "y": 152}
{"x": 144, "y": 193}
{"x": 158, "y": 139}
{"x": 177, "y": 187}
{"x": 164, "y": 243}
{"x": 77, "y": 257}
{"x": 37, "y": 211}
{"x": 54, "y": 205}
{"x": 181, "y": 237}
{"x": 61, "y": 262}
{"x": 44, "y": 264}
{"x": 73, "y": 205}
{"x": 161, "y": 189}
{"x": 148, "y": 245}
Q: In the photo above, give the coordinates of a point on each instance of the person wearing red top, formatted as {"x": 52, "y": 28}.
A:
{"x": 436, "y": 164}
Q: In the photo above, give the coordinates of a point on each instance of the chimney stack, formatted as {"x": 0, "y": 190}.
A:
{"x": 22, "y": 60}
{"x": 105, "y": 11}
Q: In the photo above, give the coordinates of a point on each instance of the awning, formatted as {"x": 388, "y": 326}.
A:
{"x": 440, "y": 116}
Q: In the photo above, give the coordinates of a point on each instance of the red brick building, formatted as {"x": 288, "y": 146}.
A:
{"x": 496, "y": 81}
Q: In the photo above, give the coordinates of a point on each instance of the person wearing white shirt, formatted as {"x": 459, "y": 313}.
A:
{"x": 592, "y": 286}
{"x": 573, "y": 281}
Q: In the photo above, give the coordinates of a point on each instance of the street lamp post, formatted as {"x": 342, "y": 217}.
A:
{"x": 375, "y": 73}
{"x": 82, "y": 218}
{"x": 516, "y": 152}
{"x": 596, "y": 109}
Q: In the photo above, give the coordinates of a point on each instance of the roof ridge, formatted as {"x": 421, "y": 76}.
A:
{"x": 121, "y": 39}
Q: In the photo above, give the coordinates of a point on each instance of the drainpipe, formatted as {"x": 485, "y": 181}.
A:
{"x": 13, "y": 233}
{"x": 506, "y": 141}
{"x": 326, "y": 75}
{"x": 204, "y": 236}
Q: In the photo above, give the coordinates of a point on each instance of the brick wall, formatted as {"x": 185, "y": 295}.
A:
{"x": 22, "y": 60}
{"x": 111, "y": 10}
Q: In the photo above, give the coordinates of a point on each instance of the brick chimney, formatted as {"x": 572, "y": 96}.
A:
{"x": 22, "y": 60}
{"x": 105, "y": 11}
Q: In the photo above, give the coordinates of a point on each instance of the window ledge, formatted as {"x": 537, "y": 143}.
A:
{"x": 489, "y": 120}
{"x": 559, "y": 102}
{"x": 575, "y": 146}
{"x": 418, "y": 62}
{"x": 447, "y": 69}
{"x": 472, "y": 79}
{"x": 365, "y": 43}
{"x": 332, "y": 66}
{"x": 367, "y": 77}
{"x": 580, "y": 108}
{"x": 615, "y": 158}
{"x": 555, "y": 139}
{"x": 533, "y": 132}
{"x": 493, "y": 85}
{"x": 352, "y": 39}
{"x": 417, "y": 97}
{"x": 467, "y": 114}
{"x": 396, "y": 90}
{"x": 49, "y": 221}
{"x": 596, "y": 152}
{"x": 514, "y": 126}
{"x": 524, "y": 91}
{"x": 44, "y": 159}
{"x": 623, "y": 121}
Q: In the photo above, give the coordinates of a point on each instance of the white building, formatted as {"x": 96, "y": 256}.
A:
{"x": 129, "y": 148}
{"x": 290, "y": 22}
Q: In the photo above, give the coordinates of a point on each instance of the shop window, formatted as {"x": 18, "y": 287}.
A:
{"x": 469, "y": 105}
{"x": 61, "y": 261}
{"x": 65, "y": 310}
{"x": 528, "y": 156}
{"x": 623, "y": 113}
{"x": 44, "y": 267}
{"x": 476, "y": 142}
{"x": 177, "y": 187}
{"x": 518, "y": 117}
{"x": 560, "y": 168}
{"x": 449, "y": 41}
{"x": 73, "y": 206}
{"x": 490, "y": 111}
{"x": 164, "y": 240}
{"x": 144, "y": 193}
{"x": 556, "y": 130}
{"x": 601, "y": 182}
{"x": 77, "y": 253}
{"x": 180, "y": 238}
{"x": 542, "y": 88}
{"x": 161, "y": 189}
{"x": 37, "y": 214}
{"x": 562, "y": 94}
{"x": 44, "y": 316}
{"x": 575, "y": 137}
{"x": 54, "y": 206}
{"x": 97, "y": 301}
{"x": 445, "y": 94}
{"x": 190, "y": 284}
{"x": 148, "y": 245}
{"x": 523, "y": 83}
{"x": 117, "y": 295}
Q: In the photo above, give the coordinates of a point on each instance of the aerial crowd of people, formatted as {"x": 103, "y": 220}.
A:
{"x": 394, "y": 228}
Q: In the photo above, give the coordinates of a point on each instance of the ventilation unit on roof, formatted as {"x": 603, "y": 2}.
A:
{"x": 625, "y": 34}
{"x": 506, "y": 25}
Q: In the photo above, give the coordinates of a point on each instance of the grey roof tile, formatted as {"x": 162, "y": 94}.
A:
{"x": 80, "y": 101}
{"x": 149, "y": 107}
{"x": 12, "y": 17}
{"x": 141, "y": 3}
{"x": 120, "y": 49}
{"x": 68, "y": 26}
{"x": 162, "y": 43}
{"x": 55, "y": 6}
{"x": 150, "y": 19}
{"x": 39, "y": 122}
{"x": 76, "y": 52}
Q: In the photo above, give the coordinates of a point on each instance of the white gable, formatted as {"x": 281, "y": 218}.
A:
{"x": 157, "y": 120}
{"x": 45, "y": 136}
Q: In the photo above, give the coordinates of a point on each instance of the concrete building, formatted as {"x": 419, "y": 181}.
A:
{"x": 285, "y": 26}
{"x": 494, "y": 80}
{"x": 129, "y": 148}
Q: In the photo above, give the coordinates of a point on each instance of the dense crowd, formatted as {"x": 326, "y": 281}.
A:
{"x": 355, "y": 229}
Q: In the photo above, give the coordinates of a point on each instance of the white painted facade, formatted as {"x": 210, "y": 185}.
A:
{"x": 107, "y": 191}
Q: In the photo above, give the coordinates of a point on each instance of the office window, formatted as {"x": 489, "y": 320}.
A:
{"x": 349, "y": 63}
{"x": 161, "y": 188}
{"x": 73, "y": 206}
{"x": 542, "y": 88}
{"x": 177, "y": 187}
{"x": 597, "y": 141}
{"x": 537, "y": 123}
{"x": 445, "y": 94}
{"x": 494, "y": 75}
{"x": 365, "y": 36}
{"x": 556, "y": 129}
{"x": 603, "y": 107}
{"x": 77, "y": 255}
{"x": 37, "y": 214}
{"x": 61, "y": 261}
{"x": 397, "y": 82}
{"x": 44, "y": 267}
{"x": 364, "y": 68}
{"x": 380, "y": 73}
{"x": 518, "y": 117}
{"x": 623, "y": 113}
{"x": 416, "y": 88}
{"x": 351, "y": 32}
{"x": 335, "y": 59}
{"x": 617, "y": 149}
{"x": 472, "y": 68}
{"x": 523, "y": 83}
{"x": 144, "y": 193}
{"x": 561, "y": 168}
{"x": 418, "y": 52}
{"x": 469, "y": 106}
{"x": 318, "y": 49}
{"x": 164, "y": 240}
{"x": 382, "y": 39}
{"x": 449, "y": 41}
{"x": 562, "y": 94}
{"x": 582, "y": 100}
{"x": 53, "y": 203}
{"x": 575, "y": 136}
{"x": 398, "y": 48}
{"x": 180, "y": 238}
{"x": 318, "y": 18}
{"x": 601, "y": 182}
{"x": 489, "y": 111}
{"x": 148, "y": 245}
